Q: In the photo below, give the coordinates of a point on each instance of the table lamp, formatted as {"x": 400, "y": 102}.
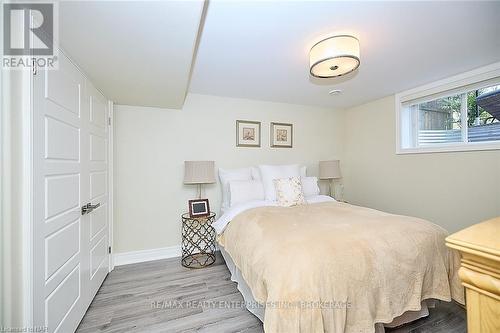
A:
{"x": 330, "y": 170}
{"x": 198, "y": 173}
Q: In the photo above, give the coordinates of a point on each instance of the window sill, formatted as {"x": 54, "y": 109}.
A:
{"x": 448, "y": 148}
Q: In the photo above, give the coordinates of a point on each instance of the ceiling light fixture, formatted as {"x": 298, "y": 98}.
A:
{"x": 334, "y": 56}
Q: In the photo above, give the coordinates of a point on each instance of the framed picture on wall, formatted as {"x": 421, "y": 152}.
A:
{"x": 247, "y": 133}
{"x": 281, "y": 135}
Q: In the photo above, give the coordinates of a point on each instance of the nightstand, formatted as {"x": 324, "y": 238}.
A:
{"x": 479, "y": 246}
{"x": 198, "y": 241}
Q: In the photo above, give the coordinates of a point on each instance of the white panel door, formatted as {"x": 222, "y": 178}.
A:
{"x": 69, "y": 171}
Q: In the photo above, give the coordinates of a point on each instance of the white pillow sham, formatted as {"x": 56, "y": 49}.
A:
{"x": 256, "y": 172}
{"x": 269, "y": 173}
{"x": 310, "y": 186}
{"x": 289, "y": 192}
{"x": 242, "y": 191}
{"x": 226, "y": 176}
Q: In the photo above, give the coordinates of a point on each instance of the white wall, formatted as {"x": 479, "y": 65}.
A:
{"x": 453, "y": 190}
{"x": 151, "y": 145}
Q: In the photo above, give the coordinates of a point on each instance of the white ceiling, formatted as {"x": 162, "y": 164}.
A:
{"x": 259, "y": 50}
{"x": 141, "y": 52}
{"x": 137, "y": 53}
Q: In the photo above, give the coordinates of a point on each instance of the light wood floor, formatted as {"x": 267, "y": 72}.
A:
{"x": 147, "y": 297}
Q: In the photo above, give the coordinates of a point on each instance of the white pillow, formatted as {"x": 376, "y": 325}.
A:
{"x": 303, "y": 171}
{"x": 256, "y": 172}
{"x": 310, "y": 186}
{"x": 270, "y": 172}
{"x": 289, "y": 192}
{"x": 242, "y": 191}
{"x": 226, "y": 176}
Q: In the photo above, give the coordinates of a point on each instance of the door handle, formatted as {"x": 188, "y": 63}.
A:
{"x": 92, "y": 207}
{"x": 88, "y": 208}
{"x": 85, "y": 209}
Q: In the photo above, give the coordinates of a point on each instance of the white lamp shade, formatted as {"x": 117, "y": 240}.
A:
{"x": 199, "y": 172}
{"x": 329, "y": 169}
{"x": 334, "y": 56}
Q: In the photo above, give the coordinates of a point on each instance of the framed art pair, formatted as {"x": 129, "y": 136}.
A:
{"x": 248, "y": 134}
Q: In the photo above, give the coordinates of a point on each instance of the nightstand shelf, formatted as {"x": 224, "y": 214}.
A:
{"x": 198, "y": 241}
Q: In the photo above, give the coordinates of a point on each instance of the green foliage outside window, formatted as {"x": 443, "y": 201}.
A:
{"x": 474, "y": 111}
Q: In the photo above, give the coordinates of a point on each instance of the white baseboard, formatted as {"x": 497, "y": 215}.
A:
{"x": 133, "y": 257}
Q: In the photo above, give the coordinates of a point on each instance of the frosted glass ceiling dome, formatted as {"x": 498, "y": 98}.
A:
{"x": 334, "y": 56}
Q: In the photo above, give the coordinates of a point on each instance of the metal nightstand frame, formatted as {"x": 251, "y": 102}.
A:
{"x": 198, "y": 241}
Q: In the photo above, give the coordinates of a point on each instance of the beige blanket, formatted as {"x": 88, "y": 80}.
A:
{"x": 334, "y": 267}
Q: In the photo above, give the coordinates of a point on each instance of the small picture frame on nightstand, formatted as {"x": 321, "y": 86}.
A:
{"x": 199, "y": 208}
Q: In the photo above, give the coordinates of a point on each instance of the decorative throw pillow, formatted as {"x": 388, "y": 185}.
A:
{"x": 289, "y": 191}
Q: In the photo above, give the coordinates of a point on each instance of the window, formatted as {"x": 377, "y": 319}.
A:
{"x": 451, "y": 115}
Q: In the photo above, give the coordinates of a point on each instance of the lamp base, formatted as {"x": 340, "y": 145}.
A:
{"x": 331, "y": 185}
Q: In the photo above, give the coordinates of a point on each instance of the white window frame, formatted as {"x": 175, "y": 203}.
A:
{"x": 477, "y": 76}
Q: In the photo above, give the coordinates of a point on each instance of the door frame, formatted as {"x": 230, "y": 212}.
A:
{"x": 28, "y": 274}
{"x": 18, "y": 82}
{"x": 111, "y": 125}
{"x": 27, "y": 195}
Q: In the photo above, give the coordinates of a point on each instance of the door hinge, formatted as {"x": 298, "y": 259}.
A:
{"x": 109, "y": 121}
{"x": 109, "y": 249}
{"x": 33, "y": 66}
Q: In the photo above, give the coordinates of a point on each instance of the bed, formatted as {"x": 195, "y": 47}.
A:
{"x": 307, "y": 263}
{"x": 328, "y": 266}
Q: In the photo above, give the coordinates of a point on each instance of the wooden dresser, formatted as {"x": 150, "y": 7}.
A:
{"x": 479, "y": 246}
